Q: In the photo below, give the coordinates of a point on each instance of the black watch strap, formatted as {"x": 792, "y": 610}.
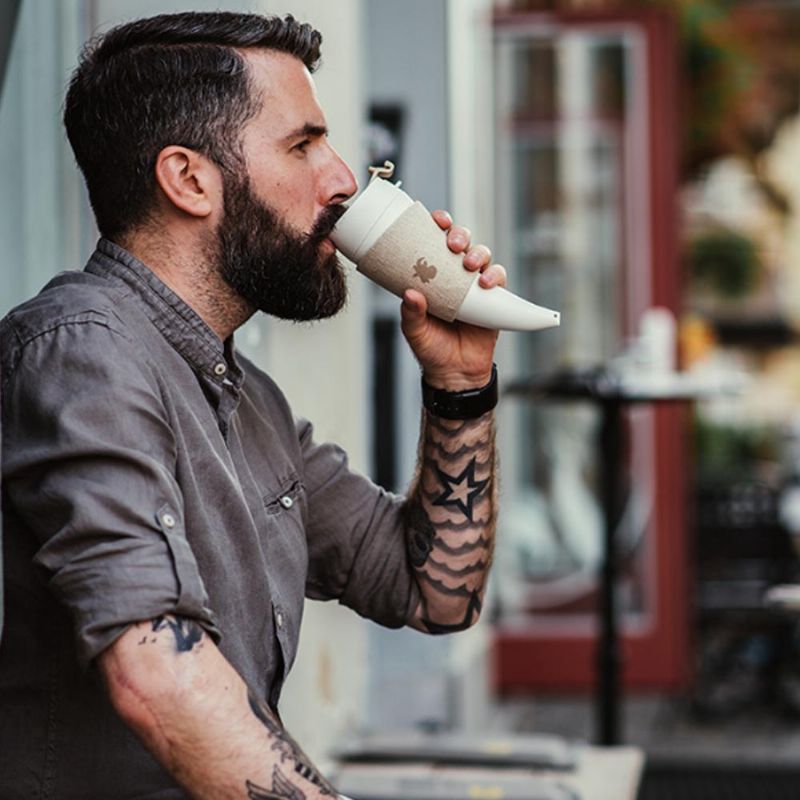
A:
{"x": 469, "y": 404}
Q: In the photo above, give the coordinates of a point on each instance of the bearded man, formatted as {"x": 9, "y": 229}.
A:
{"x": 164, "y": 513}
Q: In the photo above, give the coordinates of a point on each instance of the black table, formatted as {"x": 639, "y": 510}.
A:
{"x": 612, "y": 391}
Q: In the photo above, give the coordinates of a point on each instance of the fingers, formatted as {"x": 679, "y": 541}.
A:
{"x": 458, "y": 237}
{"x": 477, "y": 258}
{"x": 495, "y": 275}
{"x": 442, "y": 219}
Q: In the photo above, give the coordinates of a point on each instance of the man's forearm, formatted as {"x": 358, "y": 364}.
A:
{"x": 171, "y": 684}
{"x": 451, "y": 521}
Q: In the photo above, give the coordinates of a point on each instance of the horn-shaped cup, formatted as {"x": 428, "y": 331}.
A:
{"x": 395, "y": 242}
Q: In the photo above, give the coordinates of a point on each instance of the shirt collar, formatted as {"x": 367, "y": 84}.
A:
{"x": 178, "y": 323}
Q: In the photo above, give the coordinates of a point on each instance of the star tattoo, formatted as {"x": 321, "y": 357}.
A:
{"x": 461, "y": 491}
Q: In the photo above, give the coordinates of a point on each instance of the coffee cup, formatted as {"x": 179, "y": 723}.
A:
{"x": 394, "y": 241}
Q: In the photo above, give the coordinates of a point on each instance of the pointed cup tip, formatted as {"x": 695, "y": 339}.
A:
{"x": 500, "y": 309}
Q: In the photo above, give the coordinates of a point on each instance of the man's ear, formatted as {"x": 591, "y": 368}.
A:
{"x": 190, "y": 181}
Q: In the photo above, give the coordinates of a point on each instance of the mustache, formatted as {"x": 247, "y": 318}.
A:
{"x": 326, "y": 222}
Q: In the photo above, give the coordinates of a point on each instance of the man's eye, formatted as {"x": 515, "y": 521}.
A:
{"x": 300, "y": 147}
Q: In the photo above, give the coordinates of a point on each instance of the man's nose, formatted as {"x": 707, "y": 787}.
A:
{"x": 340, "y": 182}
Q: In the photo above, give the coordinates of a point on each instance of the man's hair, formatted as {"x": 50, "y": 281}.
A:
{"x": 174, "y": 79}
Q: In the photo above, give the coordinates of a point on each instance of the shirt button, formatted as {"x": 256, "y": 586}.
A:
{"x": 220, "y": 369}
{"x": 287, "y": 501}
{"x": 279, "y": 619}
{"x": 168, "y": 520}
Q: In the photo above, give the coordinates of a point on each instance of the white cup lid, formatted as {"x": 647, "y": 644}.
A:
{"x": 368, "y": 217}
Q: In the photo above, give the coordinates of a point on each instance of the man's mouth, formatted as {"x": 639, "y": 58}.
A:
{"x": 326, "y": 222}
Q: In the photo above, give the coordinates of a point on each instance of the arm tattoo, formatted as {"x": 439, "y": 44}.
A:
{"x": 450, "y": 520}
{"x": 446, "y": 569}
{"x": 466, "y": 547}
{"x": 290, "y": 754}
{"x": 420, "y": 532}
{"x": 474, "y": 607}
{"x": 282, "y": 789}
{"x": 186, "y": 632}
{"x": 461, "y": 491}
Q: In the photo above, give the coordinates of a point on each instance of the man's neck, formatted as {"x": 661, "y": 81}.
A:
{"x": 188, "y": 270}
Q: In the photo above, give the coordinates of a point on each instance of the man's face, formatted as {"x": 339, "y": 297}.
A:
{"x": 277, "y": 270}
{"x": 273, "y": 240}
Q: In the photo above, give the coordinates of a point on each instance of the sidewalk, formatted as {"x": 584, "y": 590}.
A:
{"x": 755, "y": 755}
{"x": 665, "y": 728}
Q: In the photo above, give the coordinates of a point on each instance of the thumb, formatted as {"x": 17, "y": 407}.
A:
{"x": 413, "y": 313}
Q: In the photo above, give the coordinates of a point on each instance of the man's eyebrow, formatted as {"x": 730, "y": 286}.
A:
{"x": 309, "y": 129}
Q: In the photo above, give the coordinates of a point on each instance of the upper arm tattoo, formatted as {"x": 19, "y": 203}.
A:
{"x": 186, "y": 633}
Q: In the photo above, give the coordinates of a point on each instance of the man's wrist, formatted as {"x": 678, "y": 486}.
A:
{"x": 469, "y": 403}
{"x": 457, "y": 381}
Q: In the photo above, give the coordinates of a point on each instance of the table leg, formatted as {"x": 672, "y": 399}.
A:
{"x": 608, "y": 653}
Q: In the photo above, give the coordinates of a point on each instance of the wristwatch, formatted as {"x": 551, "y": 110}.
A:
{"x": 469, "y": 404}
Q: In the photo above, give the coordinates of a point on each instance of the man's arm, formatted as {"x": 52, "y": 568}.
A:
{"x": 451, "y": 521}
{"x": 451, "y": 510}
{"x": 172, "y": 686}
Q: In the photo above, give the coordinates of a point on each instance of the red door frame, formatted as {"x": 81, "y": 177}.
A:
{"x": 658, "y": 657}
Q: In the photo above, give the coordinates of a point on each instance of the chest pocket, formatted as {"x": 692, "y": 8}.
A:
{"x": 286, "y": 513}
{"x": 288, "y": 500}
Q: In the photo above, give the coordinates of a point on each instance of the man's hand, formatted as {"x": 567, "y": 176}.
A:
{"x": 453, "y": 356}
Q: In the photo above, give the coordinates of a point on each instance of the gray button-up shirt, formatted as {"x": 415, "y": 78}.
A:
{"x": 149, "y": 469}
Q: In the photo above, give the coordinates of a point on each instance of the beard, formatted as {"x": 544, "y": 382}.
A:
{"x": 273, "y": 267}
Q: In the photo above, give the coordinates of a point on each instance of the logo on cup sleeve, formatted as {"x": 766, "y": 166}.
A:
{"x": 424, "y": 271}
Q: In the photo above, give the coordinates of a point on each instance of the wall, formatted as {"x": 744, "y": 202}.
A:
{"x": 433, "y": 59}
{"x": 41, "y": 195}
{"x": 471, "y": 157}
{"x": 405, "y": 46}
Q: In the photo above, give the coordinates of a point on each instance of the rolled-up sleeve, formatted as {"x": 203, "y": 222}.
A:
{"x": 89, "y": 470}
{"x": 356, "y": 538}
